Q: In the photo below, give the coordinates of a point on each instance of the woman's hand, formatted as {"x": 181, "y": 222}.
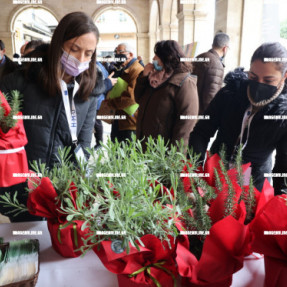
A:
{"x": 147, "y": 69}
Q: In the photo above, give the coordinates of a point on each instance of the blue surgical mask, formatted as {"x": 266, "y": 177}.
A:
{"x": 1, "y": 57}
{"x": 157, "y": 66}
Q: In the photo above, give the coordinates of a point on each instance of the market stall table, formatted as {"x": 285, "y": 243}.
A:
{"x": 88, "y": 271}
{"x": 55, "y": 270}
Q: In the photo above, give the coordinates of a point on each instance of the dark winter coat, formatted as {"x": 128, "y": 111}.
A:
{"x": 226, "y": 113}
{"x": 46, "y": 135}
{"x": 161, "y": 108}
{"x": 8, "y": 67}
{"x": 209, "y": 77}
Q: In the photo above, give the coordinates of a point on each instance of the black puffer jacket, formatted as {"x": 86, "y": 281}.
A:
{"x": 46, "y": 135}
{"x": 226, "y": 113}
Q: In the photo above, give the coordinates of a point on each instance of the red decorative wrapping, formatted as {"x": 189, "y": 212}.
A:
{"x": 222, "y": 255}
{"x": 125, "y": 281}
{"x": 217, "y": 207}
{"x": 212, "y": 163}
{"x": 154, "y": 253}
{"x": 163, "y": 189}
{"x": 275, "y": 272}
{"x": 14, "y": 162}
{"x": 272, "y": 219}
{"x": 66, "y": 240}
{"x": 225, "y": 283}
{"x": 264, "y": 196}
{"x": 43, "y": 202}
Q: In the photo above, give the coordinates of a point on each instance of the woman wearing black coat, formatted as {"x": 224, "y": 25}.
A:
{"x": 60, "y": 91}
{"x": 253, "y": 112}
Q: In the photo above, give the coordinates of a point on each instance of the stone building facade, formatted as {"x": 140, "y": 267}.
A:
{"x": 186, "y": 21}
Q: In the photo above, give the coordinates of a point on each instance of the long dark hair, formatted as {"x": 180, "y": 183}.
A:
{"x": 274, "y": 51}
{"x": 170, "y": 53}
{"x": 71, "y": 26}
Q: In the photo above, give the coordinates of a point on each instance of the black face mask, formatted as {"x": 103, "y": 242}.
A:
{"x": 260, "y": 92}
{"x": 121, "y": 59}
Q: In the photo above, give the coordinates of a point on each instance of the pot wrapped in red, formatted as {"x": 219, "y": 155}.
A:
{"x": 152, "y": 265}
{"x": 222, "y": 255}
{"x": 43, "y": 201}
{"x": 269, "y": 231}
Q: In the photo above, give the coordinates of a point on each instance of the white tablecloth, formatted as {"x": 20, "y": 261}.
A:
{"x": 56, "y": 271}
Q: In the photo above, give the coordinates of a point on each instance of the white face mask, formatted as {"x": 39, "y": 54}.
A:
{"x": 72, "y": 66}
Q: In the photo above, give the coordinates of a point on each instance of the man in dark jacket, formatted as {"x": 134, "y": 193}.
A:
{"x": 7, "y": 66}
{"x": 210, "y": 71}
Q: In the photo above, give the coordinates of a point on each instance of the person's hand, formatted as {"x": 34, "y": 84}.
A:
{"x": 113, "y": 80}
{"x": 147, "y": 69}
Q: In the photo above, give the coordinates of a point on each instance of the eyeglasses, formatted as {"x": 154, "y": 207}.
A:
{"x": 121, "y": 52}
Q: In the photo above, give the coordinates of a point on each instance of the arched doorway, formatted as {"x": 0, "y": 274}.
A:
{"x": 32, "y": 23}
{"x": 116, "y": 26}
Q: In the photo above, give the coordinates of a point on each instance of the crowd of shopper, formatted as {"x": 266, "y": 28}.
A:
{"x": 69, "y": 87}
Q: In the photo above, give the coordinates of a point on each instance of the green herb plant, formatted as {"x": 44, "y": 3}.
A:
{"x": 15, "y": 102}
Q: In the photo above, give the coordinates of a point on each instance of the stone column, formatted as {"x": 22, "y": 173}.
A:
{"x": 185, "y": 26}
{"x": 174, "y": 31}
{"x": 242, "y": 21}
{"x": 164, "y": 31}
{"x": 143, "y": 46}
{"x": 251, "y": 37}
{"x": 228, "y": 19}
{"x": 193, "y": 24}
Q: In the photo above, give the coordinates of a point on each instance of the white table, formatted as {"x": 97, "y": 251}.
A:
{"x": 56, "y": 271}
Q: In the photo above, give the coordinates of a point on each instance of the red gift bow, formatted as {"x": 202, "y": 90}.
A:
{"x": 147, "y": 258}
{"x": 222, "y": 254}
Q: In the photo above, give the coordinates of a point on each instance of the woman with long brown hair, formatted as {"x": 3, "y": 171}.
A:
{"x": 58, "y": 90}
